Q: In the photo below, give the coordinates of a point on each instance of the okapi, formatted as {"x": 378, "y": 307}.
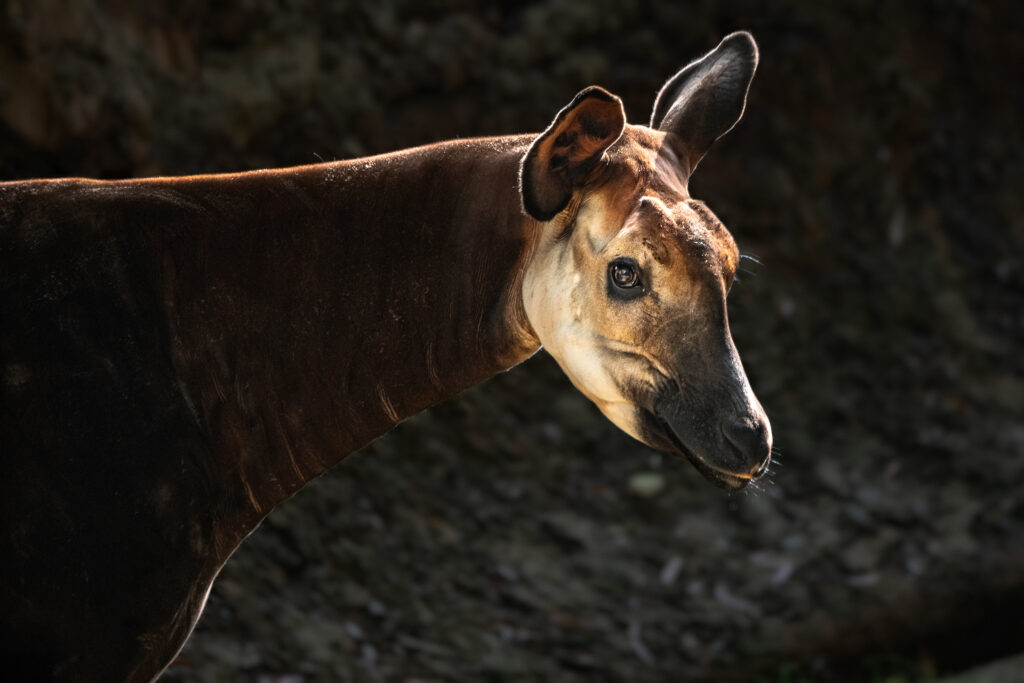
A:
{"x": 180, "y": 355}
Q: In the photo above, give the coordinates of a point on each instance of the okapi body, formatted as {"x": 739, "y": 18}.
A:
{"x": 180, "y": 355}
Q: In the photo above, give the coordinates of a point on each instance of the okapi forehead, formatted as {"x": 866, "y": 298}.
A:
{"x": 644, "y": 181}
{"x": 690, "y": 230}
{"x": 708, "y": 240}
{"x": 634, "y": 159}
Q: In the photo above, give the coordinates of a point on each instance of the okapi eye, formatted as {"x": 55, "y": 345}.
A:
{"x": 623, "y": 274}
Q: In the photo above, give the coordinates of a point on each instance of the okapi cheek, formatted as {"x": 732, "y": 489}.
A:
{"x": 626, "y": 417}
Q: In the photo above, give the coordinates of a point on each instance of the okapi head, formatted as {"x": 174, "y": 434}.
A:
{"x": 627, "y": 287}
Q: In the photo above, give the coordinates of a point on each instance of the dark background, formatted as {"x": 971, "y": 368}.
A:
{"x": 512, "y": 533}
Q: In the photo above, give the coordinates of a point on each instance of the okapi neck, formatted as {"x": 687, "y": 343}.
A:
{"x": 334, "y": 301}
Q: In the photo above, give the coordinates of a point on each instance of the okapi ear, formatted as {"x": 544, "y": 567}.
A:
{"x": 559, "y": 160}
{"x": 704, "y": 101}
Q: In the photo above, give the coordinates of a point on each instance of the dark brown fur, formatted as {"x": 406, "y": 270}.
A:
{"x": 180, "y": 355}
{"x": 183, "y": 354}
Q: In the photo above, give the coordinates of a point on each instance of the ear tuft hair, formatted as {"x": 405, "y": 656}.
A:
{"x": 558, "y": 161}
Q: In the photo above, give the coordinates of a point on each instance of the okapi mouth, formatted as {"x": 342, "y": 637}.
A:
{"x": 720, "y": 478}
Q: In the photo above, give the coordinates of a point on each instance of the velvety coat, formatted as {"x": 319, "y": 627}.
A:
{"x": 180, "y": 355}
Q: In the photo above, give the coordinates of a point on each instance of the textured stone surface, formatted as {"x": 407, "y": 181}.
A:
{"x": 512, "y": 533}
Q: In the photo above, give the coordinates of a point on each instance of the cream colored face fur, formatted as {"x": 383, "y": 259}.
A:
{"x": 614, "y": 350}
{"x": 561, "y": 290}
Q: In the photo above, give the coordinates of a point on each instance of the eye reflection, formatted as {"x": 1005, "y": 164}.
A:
{"x": 624, "y": 274}
{"x": 624, "y": 278}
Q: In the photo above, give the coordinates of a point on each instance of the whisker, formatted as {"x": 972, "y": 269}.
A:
{"x": 752, "y": 270}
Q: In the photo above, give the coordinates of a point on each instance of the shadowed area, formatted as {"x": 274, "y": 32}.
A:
{"x": 513, "y": 533}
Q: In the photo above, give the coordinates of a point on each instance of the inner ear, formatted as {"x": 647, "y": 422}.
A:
{"x": 704, "y": 101}
{"x": 558, "y": 161}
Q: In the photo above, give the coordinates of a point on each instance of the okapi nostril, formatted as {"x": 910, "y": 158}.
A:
{"x": 751, "y": 441}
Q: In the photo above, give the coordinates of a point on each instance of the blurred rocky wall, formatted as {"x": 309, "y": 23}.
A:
{"x": 877, "y": 175}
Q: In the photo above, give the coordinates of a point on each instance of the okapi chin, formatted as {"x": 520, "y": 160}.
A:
{"x": 180, "y": 355}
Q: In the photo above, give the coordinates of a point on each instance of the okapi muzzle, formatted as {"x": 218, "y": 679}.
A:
{"x": 709, "y": 414}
